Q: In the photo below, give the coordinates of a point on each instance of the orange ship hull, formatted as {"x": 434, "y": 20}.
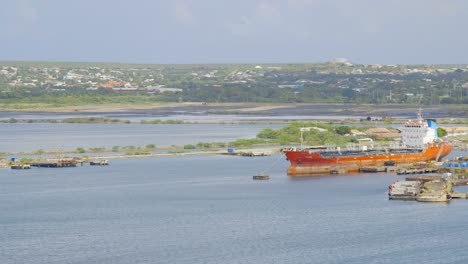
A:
{"x": 305, "y": 162}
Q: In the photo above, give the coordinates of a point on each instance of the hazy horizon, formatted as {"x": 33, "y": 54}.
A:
{"x": 233, "y": 32}
{"x": 220, "y": 63}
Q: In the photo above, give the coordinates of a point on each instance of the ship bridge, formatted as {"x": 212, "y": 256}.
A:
{"x": 419, "y": 133}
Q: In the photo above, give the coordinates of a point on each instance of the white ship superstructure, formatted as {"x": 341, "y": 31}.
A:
{"x": 418, "y": 133}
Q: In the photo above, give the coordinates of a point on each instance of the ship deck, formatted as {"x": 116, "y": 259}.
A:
{"x": 372, "y": 152}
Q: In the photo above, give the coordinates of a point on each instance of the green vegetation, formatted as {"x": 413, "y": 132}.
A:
{"x": 342, "y": 130}
{"x": 41, "y": 85}
{"x": 98, "y": 149}
{"x": 319, "y": 134}
{"x": 93, "y": 120}
{"x": 248, "y": 142}
{"x": 11, "y": 120}
{"x": 136, "y": 153}
{"x": 129, "y": 148}
{"x": 441, "y": 132}
{"x": 157, "y": 121}
{"x": 38, "y": 152}
{"x": 80, "y": 150}
{"x": 207, "y": 145}
{"x": 316, "y": 134}
{"x": 26, "y": 160}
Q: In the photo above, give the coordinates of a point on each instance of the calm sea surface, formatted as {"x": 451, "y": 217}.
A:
{"x": 207, "y": 209}
{"x": 15, "y": 137}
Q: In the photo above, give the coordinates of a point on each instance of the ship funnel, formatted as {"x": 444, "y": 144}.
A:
{"x": 432, "y": 124}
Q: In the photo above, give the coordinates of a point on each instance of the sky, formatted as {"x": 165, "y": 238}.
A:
{"x": 240, "y": 31}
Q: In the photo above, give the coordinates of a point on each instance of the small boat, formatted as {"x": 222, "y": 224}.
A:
{"x": 261, "y": 177}
{"x": 99, "y": 163}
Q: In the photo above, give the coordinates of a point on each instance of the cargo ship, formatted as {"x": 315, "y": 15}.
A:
{"x": 419, "y": 143}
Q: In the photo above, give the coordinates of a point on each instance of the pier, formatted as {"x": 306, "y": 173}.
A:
{"x": 424, "y": 189}
{"x": 412, "y": 170}
{"x": 378, "y": 169}
{"x": 249, "y": 152}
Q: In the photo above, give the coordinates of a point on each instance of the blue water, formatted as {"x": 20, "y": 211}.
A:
{"x": 207, "y": 209}
{"x": 15, "y": 137}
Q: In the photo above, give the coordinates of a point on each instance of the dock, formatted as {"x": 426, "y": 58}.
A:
{"x": 398, "y": 170}
{"x": 378, "y": 169}
{"x": 402, "y": 171}
{"x": 424, "y": 189}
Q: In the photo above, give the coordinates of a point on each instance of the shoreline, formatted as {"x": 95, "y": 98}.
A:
{"x": 270, "y": 150}
{"x": 233, "y": 107}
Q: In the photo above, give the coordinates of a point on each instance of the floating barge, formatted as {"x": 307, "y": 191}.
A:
{"x": 424, "y": 189}
{"x": 55, "y": 164}
{"x": 261, "y": 177}
{"x": 20, "y": 167}
{"x": 373, "y": 169}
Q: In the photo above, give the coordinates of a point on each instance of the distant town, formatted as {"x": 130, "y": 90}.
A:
{"x": 337, "y": 81}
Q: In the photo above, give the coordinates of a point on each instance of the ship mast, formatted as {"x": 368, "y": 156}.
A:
{"x": 419, "y": 115}
{"x": 302, "y": 129}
